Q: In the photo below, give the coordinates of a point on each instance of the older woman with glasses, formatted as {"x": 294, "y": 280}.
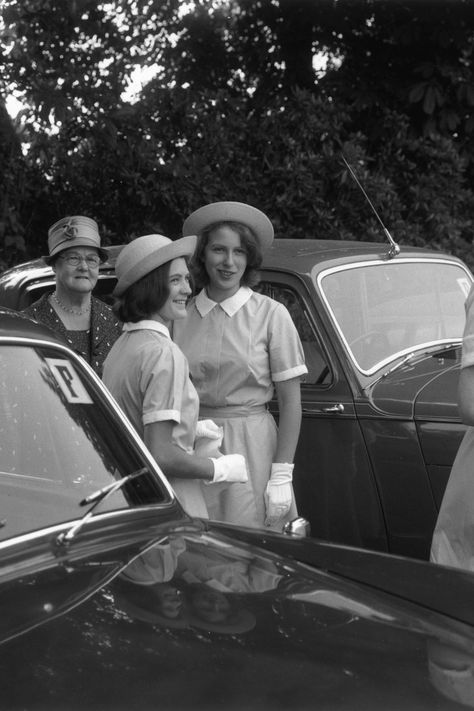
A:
{"x": 89, "y": 325}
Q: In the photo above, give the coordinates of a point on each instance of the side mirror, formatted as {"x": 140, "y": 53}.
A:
{"x": 297, "y": 527}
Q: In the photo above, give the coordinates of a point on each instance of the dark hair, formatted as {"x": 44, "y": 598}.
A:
{"x": 247, "y": 240}
{"x": 145, "y": 297}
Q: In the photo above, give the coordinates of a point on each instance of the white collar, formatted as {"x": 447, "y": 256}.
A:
{"x": 148, "y": 325}
{"x": 230, "y": 306}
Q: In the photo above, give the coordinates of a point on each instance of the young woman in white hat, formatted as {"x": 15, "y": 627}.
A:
{"x": 240, "y": 346}
{"x": 148, "y": 374}
{"x": 87, "y": 323}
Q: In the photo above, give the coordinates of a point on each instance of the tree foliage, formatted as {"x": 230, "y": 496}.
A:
{"x": 250, "y": 100}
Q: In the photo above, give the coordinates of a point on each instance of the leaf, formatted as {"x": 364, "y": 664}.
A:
{"x": 417, "y": 93}
{"x": 429, "y": 100}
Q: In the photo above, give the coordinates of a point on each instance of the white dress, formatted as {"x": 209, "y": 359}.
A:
{"x": 453, "y": 538}
{"x": 237, "y": 350}
{"x": 149, "y": 377}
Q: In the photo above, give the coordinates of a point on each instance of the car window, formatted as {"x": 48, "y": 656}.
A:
{"x": 58, "y": 443}
{"x": 383, "y": 310}
{"x": 317, "y": 363}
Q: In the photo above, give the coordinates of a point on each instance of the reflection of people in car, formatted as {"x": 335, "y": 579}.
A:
{"x": 242, "y": 345}
{"x": 225, "y": 570}
{"x": 452, "y": 672}
{"x": 146, "y": 588}
{"x": 214, "y": 611}
{"x": 86, "y": 322}
{"x": 184, "y": 559}
{"x": 151, "y": 588}
{"x": 453, "y": 538}
{"x": 157, "y": 564}
{"x": 158, "y": 604}
{"x": 148, "y": 374}
{"x": 170, "y": 601}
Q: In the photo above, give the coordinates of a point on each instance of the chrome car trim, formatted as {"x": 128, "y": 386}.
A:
{"x": 95, "y": 499}
{"x": 298, "y": 527}
{"x": 31, "y": 536}
{"x": 411, "y": 356}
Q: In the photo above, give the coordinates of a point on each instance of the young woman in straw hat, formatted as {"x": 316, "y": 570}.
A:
{"x": 241, "y": 346}
{"x": 148, "y": 374}
{"x": 87, "y": 323}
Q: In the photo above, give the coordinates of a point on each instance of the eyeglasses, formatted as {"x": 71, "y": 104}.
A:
{"x": 92, "y": 260}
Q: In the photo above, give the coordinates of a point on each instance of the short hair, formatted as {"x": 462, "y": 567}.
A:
{"x": 248, "y": 240}
{"x": 145, "y": 297}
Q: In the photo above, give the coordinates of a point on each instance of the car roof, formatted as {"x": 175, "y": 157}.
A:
{"x": 305, "y": 255}
{"x": 297, "y": 256}
{"x": 301, "y": 254}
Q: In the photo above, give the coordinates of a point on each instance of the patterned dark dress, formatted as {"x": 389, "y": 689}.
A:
{"x": 92, "y": 345}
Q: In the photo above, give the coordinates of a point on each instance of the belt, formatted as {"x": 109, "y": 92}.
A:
{"x": 231, "y": 411}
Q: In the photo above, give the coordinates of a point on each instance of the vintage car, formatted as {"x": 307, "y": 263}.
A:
{"x": 382, "y": 332}
{"x": 112, "y": 597}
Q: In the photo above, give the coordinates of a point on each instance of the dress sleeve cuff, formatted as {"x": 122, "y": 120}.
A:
{"x": 295, "y": 372}
{"x": 162, "y": 416}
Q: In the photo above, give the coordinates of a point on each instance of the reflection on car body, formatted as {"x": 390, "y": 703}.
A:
{"x": 113, "y": 598}
{"x": 382, "y": 338}
{"x": 198, "y": 621}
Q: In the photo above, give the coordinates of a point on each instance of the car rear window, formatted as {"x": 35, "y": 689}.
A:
{"x": 58, "y": 443}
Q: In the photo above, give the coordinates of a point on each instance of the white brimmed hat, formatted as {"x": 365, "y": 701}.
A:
{"x": 144, "y": 254}
{"x": 75, "y": 231}
{"x": 250, "y": 216}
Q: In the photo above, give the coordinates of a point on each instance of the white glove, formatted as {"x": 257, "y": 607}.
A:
{"x": 209, "y": 429}
{"x": 278, "y": 493}
{"x": 230, "y": 468}
{"x": 208, "y": 439}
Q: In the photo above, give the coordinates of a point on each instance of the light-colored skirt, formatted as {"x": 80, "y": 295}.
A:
{"x": 252, "y": 433}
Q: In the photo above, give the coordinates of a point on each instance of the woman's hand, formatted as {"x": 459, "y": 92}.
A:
{"x": 279, "y": 493}
{"x": 229, "y": 468}
{"x": 208, "y": 429}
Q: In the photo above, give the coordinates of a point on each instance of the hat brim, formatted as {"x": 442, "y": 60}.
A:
{"x": 255, "y": 219}
{"x": 244, "y": 621}
{"x": 183, "y": 247}
{"x": 154, "y": 618}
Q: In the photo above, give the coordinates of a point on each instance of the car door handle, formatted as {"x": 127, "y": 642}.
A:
{"x": 334, "y": 408}
{"x": 339, "y": 408}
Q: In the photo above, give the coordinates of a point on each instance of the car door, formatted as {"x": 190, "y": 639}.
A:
{"x": 334, "y": 485}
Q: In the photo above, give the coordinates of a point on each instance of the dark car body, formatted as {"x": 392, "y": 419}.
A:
{"x": 112, "y": 597}
{"x": 382, "y": 338}
{"x": 79, "y": 632}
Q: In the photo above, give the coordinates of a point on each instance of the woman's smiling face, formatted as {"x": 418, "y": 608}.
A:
{"x": 82, "y": 277}
{"x": 179, "y": 291}
{"x": 225, "y": 260}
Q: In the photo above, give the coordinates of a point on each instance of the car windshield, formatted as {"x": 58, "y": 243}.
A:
{"x": 58, "y": 443}
{"x": 383, "y": 310}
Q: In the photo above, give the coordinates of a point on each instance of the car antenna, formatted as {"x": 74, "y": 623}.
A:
{"x": 394, "y": 247}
